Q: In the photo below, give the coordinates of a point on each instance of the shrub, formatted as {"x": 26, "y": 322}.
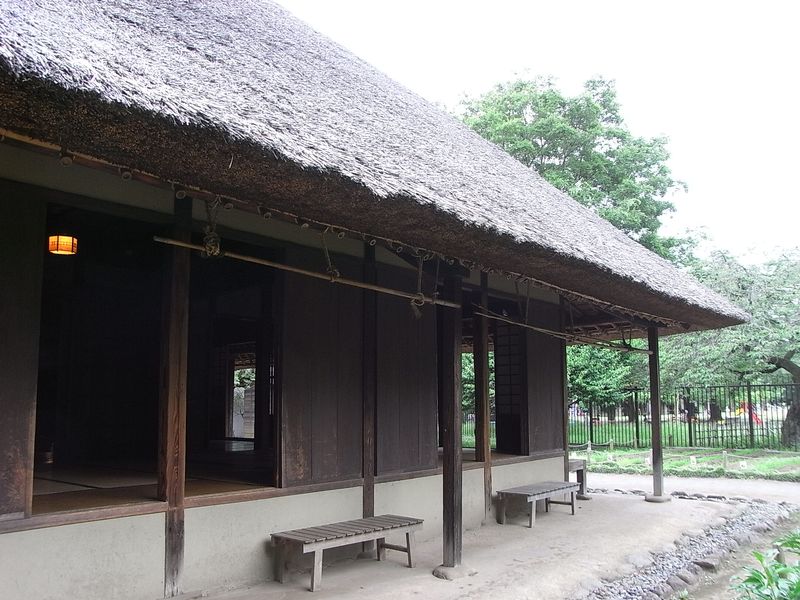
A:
{"x": 774, "y": 580}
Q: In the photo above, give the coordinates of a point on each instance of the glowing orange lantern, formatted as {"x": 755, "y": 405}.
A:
{"x": 62, "y": 244}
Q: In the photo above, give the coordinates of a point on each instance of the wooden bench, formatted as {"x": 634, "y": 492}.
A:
{"x": 537, "y": 491}
{"x": 578, "y": 466}
{"x": 333, "y": 535}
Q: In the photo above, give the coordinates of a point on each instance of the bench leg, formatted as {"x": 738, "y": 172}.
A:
{"x": 532, "y": 518}
{"x": 501, "y": 509}
{"x": 409, "y": 548}
{"x": 381, "y": 549}
{"x": 281, "y": 555}
{"x": 572, "y": 501}
{"x": 582, "y": 481}
{"x": 316, "y": 575}
{"x": 547, "y": 505}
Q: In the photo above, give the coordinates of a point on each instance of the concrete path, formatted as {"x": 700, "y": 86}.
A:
{"x": 774, "y": 491}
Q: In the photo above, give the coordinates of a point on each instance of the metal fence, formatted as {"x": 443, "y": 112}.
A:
{"x": 739, "y": 416}
{"x": 468, "y": 430}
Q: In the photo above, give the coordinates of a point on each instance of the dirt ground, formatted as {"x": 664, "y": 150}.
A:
{"x": 557, "y": 559}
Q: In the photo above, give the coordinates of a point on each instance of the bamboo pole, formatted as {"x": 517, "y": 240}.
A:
{"x": 324, "y": 276}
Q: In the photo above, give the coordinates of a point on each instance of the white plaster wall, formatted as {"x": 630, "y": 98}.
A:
{"x": 228, "y": 545}
{"x": 516, "y": 474}
{"x": 116, "y": 559}
{"x": 472, "y": 509}
{"x": 422, "y": 497}
{"x": 547, "y": 469}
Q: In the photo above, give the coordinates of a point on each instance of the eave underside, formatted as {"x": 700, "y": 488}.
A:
{"x": 164, "y": 153}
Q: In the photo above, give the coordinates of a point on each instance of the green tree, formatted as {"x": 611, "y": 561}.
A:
{"x": 597, "y": 375}
{"x": 767, "y": 349}
{"x": 468, "y": 381}
{"x": 582, "y": 146}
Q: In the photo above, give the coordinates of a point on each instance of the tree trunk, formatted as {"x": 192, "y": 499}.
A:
{"x": 790, "y": 432}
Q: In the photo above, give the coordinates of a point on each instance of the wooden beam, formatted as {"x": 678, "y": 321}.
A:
{"x": 22, "y": 243}
{"x": 480, "y": 354}
{"x": 655, "y": 418}
{"x": 450, "y": 373}
{"x": 370, "y": 385}
{"x": 172, "y": 400}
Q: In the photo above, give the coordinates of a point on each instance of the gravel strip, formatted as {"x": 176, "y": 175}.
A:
{"x": 675, "y": 570}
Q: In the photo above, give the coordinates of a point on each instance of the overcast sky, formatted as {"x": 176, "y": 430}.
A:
{"x": 720, "y": 79}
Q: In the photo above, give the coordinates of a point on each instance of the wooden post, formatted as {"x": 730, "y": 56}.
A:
{"x": 172, "y": 401}
{"x": 263, "y": 425}
{"x": 450, "y": 373}
{"x": 655, "y": 419}
{"x": 370, "y": 387}
{"x": 483, "y": 431}
{"x": 22, "y": 243}
{"x": 565, "y": 394}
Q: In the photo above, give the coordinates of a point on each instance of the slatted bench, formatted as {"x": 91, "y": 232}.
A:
{"x": 537, "y": 491}
{"x": 333, "y": 535}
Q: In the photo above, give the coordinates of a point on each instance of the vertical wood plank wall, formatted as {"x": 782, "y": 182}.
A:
{"x": 322, "y": 375}
{"x": 545, "y": 380}
{"x": 22, "y": 243}
{"x": 406, "y": 435}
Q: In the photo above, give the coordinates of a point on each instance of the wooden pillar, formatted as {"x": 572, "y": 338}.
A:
{"x": 450, "y": 373}
{"x": 565, "y": 391}
{"x": 172, "y": 401}
{"x": 370, "y": 386}
{"x": 655, "y": 418}
{"x": 480, "y": 354}
{"x": 22, "y": 243}
{"x": 263, "y": 425}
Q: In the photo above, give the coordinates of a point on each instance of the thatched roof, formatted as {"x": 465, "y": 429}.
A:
{"x": 242, "y": 98}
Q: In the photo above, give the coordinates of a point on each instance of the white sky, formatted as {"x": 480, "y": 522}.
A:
{"x": 720, "y": 79}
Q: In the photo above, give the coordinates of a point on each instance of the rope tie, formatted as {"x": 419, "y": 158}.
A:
{"x": 331, "y": 270}
{"x": 419, "y": 301}
{"x": 211, "y": 239}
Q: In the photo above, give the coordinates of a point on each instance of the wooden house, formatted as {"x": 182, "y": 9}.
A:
{"x": 271, "y": 259}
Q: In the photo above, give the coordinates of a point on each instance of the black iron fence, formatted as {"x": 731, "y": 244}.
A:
{"x": 468, "y": 423}
{"x": 739, "y": 416}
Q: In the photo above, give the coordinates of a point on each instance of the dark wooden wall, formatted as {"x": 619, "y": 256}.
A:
{"x": 545, "y": 383}
{"x": 321, "y": 372}
{"x": 22, "y": 242}
{"x": 407, "y": 393}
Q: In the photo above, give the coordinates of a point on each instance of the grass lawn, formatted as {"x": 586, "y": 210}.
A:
{"x": 700, "y": 462}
